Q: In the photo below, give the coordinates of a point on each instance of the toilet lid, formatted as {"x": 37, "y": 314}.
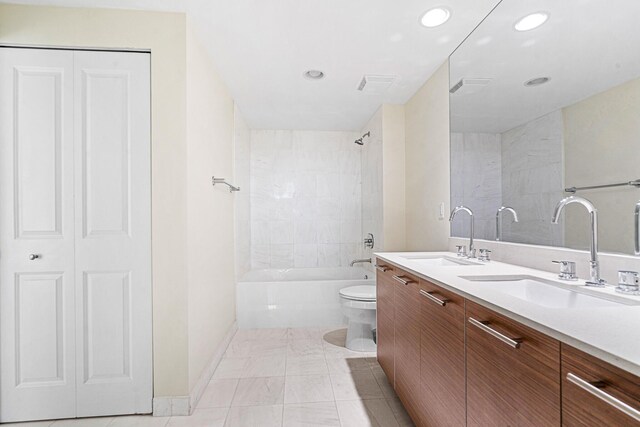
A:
{"x": 359, "y": 293}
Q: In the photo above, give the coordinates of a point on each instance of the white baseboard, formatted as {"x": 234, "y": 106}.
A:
{"x": 185, "y": 405}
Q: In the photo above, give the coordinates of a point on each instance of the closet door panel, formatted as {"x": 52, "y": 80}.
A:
{"x": 37, "y": 355}
{"x": 113, "y": 234}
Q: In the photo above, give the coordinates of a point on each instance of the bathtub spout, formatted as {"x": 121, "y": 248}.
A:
{"x": 358, "y": 261}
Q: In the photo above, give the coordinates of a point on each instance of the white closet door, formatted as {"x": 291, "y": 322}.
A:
{"x": 113, "y": 233}
{"x": 37, "y": 318}
{"x": 75, "y": 321}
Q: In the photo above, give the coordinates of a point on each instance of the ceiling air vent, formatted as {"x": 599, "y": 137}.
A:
{"x": 469, "y": 85}
{"x": 375, "y": 84}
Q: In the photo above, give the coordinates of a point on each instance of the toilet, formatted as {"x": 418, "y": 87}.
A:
{"x": 359, "y": 306}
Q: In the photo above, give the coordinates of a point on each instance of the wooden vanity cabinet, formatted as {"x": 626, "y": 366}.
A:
{"x": 386, "y": 320}
{"x": 595, "y": 393}
{"x": 513, "y": 372}
{"x": 407, "y": 341}
{"x": 442, "y": 364}
{"x": 453, "y": 362}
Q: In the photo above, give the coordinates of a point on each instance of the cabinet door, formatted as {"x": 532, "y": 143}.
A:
{"x": 513, "y": 372}
{"x": 385, "y": 325}
{"x": 442, "y": 367}
{"x": 407, "y": 334}
{"x": 595, "y": 393}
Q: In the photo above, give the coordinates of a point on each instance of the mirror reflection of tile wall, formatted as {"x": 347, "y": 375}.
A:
{"x": 529, "y": 159}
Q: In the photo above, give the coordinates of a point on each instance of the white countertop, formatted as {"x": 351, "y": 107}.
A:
{"x": 609, "y": 333}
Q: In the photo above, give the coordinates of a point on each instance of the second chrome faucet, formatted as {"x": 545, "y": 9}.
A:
{"x": 472, "y": 250}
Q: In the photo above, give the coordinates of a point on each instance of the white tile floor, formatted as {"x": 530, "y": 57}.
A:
{"x": 284, "y": 378}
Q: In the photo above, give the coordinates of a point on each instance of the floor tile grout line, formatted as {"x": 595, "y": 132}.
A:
{"x": 284, "y": 385}
{"x": 333, "y": 392}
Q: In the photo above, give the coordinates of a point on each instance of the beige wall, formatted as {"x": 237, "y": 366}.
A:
{"x": 210, "y": 244}
{"x": 242, "y": 177}
{"x": 182, "y": 275}
{"x": 602, "y": 146}
{"x": 427, "y": 164}
{"x": 393, "y": 177}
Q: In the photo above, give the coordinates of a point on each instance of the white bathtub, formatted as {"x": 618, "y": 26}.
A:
{"x": 296, "y": 297}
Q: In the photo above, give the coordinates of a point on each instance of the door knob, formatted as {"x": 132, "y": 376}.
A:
{"x": 34, "y": 256}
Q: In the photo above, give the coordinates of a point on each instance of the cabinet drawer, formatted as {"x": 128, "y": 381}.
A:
{"x": 595, "y": 393}
{"x": 442, "y": 364}
{"x": 513, "y": 372}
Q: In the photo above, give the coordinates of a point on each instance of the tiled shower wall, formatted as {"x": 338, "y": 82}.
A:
{"x": 305, "y": 199}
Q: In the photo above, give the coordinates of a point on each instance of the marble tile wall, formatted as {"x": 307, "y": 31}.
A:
{"x": 532, "y": 171}
{"x": 476, "y": 182}
{"x": 305, "y": 199}
{"x": 372, "y": 210}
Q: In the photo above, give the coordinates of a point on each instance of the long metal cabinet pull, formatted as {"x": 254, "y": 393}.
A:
{"x": 403, "y": 280}
{"x": 429, "y": 295}
{"x": 382, "y": 268}
{"x": 513, "y": 342}
{"x": 604, "y": 396}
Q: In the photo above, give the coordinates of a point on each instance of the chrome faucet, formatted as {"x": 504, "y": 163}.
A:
{"x": 358, "y": 261}
{"x": 594, "y": 264}
{"x": 472, "y": 250}
{"x": 499, "y": 224}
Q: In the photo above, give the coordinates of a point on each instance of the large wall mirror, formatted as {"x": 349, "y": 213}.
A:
{"x": 536, "y": 111}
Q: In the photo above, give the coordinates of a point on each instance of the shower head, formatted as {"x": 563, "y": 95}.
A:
{"x": 359, "y": 141}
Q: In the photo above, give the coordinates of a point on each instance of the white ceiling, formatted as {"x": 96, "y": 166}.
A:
{"x": 263, "y": 47}
{"x": 586, "y": 47}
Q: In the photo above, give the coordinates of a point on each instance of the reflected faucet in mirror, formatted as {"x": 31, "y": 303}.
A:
{"x": 472, "y": 250}
{"x": 594, "y": 264}
{"x": 499, "y": 224}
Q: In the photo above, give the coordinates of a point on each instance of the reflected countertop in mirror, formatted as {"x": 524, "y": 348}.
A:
{"x": 536, "y": 112}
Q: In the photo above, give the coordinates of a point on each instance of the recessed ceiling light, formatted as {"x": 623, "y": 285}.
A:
{"x": 314, "y": 74}
{"x": 531, "y": 21}
{"x": 434, "y": 17}
{"x": 537, "y": 81}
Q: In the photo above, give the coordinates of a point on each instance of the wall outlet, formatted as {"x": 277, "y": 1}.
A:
{"x": 441, "y": 216}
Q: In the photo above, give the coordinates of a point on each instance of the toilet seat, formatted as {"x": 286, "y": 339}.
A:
{"x": 365, "y": 293}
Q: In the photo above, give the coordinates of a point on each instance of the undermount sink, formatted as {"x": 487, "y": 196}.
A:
{"x": 440, "y": 260}
{"x": 547, "y": 293}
